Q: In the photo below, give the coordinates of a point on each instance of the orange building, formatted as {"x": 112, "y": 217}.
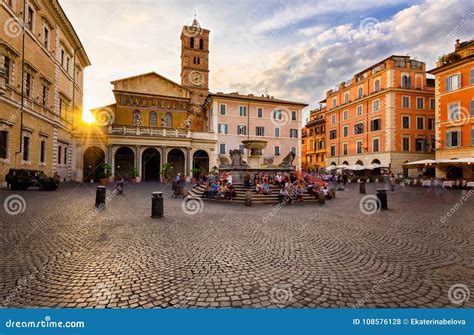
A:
{"x": 313, "y": 141}
{"x": 455, "y": 110}
{"x": 384, "y": 114}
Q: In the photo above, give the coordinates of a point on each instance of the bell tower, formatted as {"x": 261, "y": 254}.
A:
{"x": 195, "y": 61}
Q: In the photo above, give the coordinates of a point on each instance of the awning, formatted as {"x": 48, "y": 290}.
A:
{"x": 457, "y": 161}
{"x": 420, "y": 163}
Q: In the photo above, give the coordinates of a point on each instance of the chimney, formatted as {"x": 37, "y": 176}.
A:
{"x": 458, "y": 44}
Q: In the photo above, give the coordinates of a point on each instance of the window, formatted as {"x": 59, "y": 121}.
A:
{"x": 420, "y": 103}
{"x": 375, "y": 145}
{"x": 260, "y": 112}
{"x": 344, "y": 149}
{"x": 63, "y": 54}
{"x": 293, "y": 150}
{"x": 46, "y": 37}
{"x": 169, "y": 120}
{"x": 333, "y": 150}
{"x": 201, "y": 44}
{"x": 334, "y": 102}
{"x": 277, "y": 150}
{"x": 322, "y": 144}
{"x": 223, "y": 109}
{"x": 43, "y": 151}
{"x": 333, "y": 118}
{"x": 453, "y": 139}
{"x": 375, "y": 125}
{"x": 359, "y": 110}
{"x": 454, "y": 111}
{"x": 453, "y": 82}
{"x": 472, "y": 77}
{"x": 346, "y": 97}
{"x": 223, "y": 128}
{"x": 359, "y": 128}
{"x": 153, "y": 119}
{"x": 359, "y": 147}
{"x": 242, "y": 111}
{"x": 293, "y": 115}
{"x": 431, "y": 124}
{"x": 44, "y": 94}
{"x": 375, "y": 106}
{"x": 30, "y": 18}
{"x": 377, "y": 86}
{"x": 3, "y": 144}
{"x": 191, "y": 42}
{"x": 222, "y": 149}
{"x": 294, "y": 133}
{"x": 332, "y": 134}
{"x": 420, "y": 123}
{"x": 406, "y": 81}
{"x": 7, "y": 65}
{"x": 432, "y": 104}
{"x": 65, "y": 156}
{"x": 28, "y": 85}
{"x": 472, "y": 136}
{"x": 345, "y": 131}
{"x": 406, "y": 143}
{"x": 241, "y": 129}
{"x": 472, "y": 107}
{"x": 277, "y": 132}
{"x": 60, "y": 151}
{"x": 345, "y": 115}
{"x": 277, "y": 115}
{"x": 360, "y": 92}
{"x": 406, "y": 102}
{"x": 420, "y": 144}
{"x": 260, "y": 131}
{"x": 406, "y": 122}
{"x": 26, "y": 148}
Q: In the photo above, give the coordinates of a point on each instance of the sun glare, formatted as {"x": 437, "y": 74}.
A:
{"x": 88, "y": 118}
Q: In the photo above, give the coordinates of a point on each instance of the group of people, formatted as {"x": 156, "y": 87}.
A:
{"x": 219, "y": 187}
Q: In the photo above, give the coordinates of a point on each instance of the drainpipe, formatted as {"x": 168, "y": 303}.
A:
{"x": 22, "y": 103}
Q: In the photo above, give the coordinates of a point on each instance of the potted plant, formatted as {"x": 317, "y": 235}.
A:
{"x": 166, "y": 171}
{"x": 134, "y": 176}
{"x": 196, "y": 173}
{"x": 104, "y": 177}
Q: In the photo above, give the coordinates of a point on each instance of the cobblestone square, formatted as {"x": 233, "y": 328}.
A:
{"x": 57, "y": 251}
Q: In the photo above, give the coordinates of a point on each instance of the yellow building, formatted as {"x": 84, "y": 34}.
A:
{"x": 42, "y": 62}
{"x": 154, "y": 121}
{"x": 314, "y": 140}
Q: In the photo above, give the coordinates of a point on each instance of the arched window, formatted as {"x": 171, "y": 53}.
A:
{"x": 377, "y": 85}
{"x": 137, "y": 118}
{"x": 169, "y": 120}
{"x": 152, "y": 119}
{"x": 201, "y": 44}
{"x": 192, "y": 42}
{"x": 406, "y": 81}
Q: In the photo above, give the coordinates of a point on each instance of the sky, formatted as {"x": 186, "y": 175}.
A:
{"x": 292, "y": 49}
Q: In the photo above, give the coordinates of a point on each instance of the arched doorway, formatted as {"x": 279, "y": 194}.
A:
{"x": 177, "y": 161}
{"x": 94, "y": 157}
{"x": 201, "y": 162}
{"x": 377, "y": 171}
{"x": 151, "y": 160}
{"x": 124, "y": 162}
{"x": 359, "y": 162}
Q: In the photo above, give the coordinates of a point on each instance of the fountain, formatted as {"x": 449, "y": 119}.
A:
{"x": 237, "y": 167}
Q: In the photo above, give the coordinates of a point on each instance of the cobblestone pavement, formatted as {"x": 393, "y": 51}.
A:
{"x": 59, "y": 252}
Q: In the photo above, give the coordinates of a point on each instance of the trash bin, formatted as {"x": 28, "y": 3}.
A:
{"x": 157, "y": 205}
{"x": 321, "y": 197}
{"x": 382, "y": 196}
{"x": 100, "y": 196}
{"x": 362, "y": 187}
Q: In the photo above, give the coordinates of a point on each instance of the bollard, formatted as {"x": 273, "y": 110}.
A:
{"x": 157, "y": 205}
{"x": 362, "y": 187}
{"x": 248, "y": 198}
{"x": 321, "y": 197}
{"x": 120, "y": 187}
{"x": 382, "y": 196}
{"x": 100, "y": 196}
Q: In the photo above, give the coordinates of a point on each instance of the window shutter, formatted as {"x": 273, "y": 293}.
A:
{"x": 472, "y": 136}
{"x": 446, "y": 83}
{"x": 459, "y": 80}
{"x": 459, "y": 139}
{"x": 472, "y": 76}
{"x": 472, "y": 107}
{"x": 448, "y": 140}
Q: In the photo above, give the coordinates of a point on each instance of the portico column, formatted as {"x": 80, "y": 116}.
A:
{"x": 189, "y": 164}
{"x": 110, "y": 158}
{"x": 138, "y": 160}
{"x": 165, "y": 156}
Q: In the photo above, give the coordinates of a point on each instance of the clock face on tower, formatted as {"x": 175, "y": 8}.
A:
{"x": 197, "y": 79}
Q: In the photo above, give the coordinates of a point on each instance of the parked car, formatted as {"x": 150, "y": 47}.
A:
{"x": 22, "y": 179}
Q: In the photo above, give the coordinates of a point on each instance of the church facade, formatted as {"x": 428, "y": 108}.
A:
{"x": 155, "y": 121}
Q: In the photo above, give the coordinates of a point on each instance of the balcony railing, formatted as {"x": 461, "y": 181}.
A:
{"x": 159, "y": 132}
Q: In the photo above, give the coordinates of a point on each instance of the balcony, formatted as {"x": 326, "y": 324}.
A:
{"x": 159, "y": 132}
